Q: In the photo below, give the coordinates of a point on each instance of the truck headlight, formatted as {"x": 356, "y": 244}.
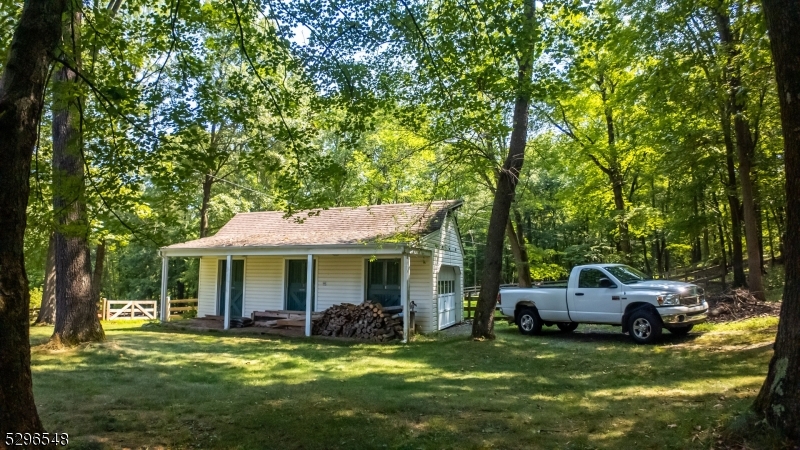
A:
{"x": 670, "y": 300}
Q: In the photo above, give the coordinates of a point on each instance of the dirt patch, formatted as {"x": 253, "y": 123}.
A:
{"x": 738, "y": 304}
{"x": 462, "y": 329}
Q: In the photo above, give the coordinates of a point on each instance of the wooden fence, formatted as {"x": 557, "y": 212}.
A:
{"x": 178, "y": 307}
{"x": 144, "y": 309}
{"x": 130, "y": 309}
{"x": 471, "y": 301}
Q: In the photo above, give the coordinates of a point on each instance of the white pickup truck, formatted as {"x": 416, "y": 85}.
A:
{"x": 612, "y": 294}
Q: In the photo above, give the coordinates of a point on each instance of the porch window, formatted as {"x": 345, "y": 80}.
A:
{"x": 383, "y": 281}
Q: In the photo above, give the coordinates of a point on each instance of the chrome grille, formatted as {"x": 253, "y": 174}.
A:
{"x": 691, "y": 300}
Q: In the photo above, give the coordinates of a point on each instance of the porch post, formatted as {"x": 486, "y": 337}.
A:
{"x": 405, "y": 269}
{"x": 164, "y": 301}
{"x": 227, "y": 320}
{"x": 309, "y": 289}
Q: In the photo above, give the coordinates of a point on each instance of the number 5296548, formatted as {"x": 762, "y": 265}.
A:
{"x": 36, "y": 439}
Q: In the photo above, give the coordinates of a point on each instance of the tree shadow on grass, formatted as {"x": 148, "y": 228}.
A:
{"x": 209, "y": 390}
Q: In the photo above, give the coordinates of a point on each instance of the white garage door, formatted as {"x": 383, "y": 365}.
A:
{"x": 446, "y": 294}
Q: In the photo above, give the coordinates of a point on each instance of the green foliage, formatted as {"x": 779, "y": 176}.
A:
{"x": 294, "y": 105}
{"x": 36, "y": 297}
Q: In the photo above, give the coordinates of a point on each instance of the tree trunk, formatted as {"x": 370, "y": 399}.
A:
{"x": 771, "y": 241}
{"x": 613, "y": 170}
{"x": 731, "y": 185}
{"x": 97, "y": 276}
{"x": 619, "y": 205}
{"x": 779, "y": 398}
{"x": 721, "y": 233}
{"x": 517, "y": 240}
{"x": 76, "y": 310}
{"x": 21, "y": 100}
{"x": 659, "y": 256}
{"x": 507, "y": 178}
{"x": 47, "y": 313}
{"x": 208, "y": 181}
{"x": 745, "y": 147}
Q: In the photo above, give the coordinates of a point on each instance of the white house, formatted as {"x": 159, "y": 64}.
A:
{"x": 391, "y": 254}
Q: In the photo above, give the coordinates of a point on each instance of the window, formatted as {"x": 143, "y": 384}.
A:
{"x": 446, "y": 287}
{"x": 626, "y": 274}
{"x": 383, "y": 281}
{"x": 590, "y": 278}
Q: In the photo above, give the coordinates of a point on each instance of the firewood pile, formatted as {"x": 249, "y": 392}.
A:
{"x": 738, "y": 304}
{"x": 365, "y": 321}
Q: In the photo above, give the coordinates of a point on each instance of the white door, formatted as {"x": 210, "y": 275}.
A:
{"x": 590, "y": 302}
{"x": 446, "y": 295}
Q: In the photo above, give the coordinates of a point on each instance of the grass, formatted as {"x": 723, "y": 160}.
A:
{"x": 147, "y": 387}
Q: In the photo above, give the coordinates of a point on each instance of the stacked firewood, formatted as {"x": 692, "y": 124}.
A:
{"x": 365, "y": 321}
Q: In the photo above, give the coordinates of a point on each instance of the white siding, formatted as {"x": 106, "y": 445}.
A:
{"x": 263, "y": 284}
{"x": 446, "y": 247}
{"x": 421, "y": 279}
{"x": 207, "y": 287}
{"x": 340, "y": 279}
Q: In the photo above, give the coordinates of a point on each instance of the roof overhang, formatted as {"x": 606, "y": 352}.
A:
{"x": 296, "y": 250}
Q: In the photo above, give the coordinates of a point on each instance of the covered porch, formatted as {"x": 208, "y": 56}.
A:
{"x": 235, "y": 281}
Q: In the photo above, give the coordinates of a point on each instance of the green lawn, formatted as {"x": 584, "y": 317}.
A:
{"x": 146, "y": 387}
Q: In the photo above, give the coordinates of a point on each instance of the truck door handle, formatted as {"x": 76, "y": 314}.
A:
{"x": 579, "y": 293}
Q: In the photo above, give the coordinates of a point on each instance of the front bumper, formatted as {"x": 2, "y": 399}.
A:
{"x": 679, "y": 316}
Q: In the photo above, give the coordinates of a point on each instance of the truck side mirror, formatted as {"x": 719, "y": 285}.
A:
{"x": 606, "y": 283}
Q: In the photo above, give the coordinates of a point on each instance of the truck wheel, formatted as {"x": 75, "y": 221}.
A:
{"x": 682, "y": 331}
{"x": 529, "y": 322}
{"x": 567, "y": 327}
{"x": 645, "y": 326}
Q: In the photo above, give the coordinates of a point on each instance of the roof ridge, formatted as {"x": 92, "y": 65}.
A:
{"x": 339, "y": 208}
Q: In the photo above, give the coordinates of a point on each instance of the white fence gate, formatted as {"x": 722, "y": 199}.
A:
{"x": 130, "y": 309}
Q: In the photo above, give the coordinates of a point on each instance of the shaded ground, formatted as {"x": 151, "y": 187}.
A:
{"x": 149, "y": 387}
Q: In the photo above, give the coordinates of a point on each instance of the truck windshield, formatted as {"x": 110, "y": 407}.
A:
{"x": 626, "y": 274}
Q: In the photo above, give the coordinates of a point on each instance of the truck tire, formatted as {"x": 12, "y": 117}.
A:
{"x": 644, "y": 326}
{"x": 568, "y": 327}
{"x": 681, "y": 331}
{"x": 529, "y": 321}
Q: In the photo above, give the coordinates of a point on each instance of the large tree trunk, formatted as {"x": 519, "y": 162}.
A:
{"x": 76, "y": 311}
{"x": 507, "y": 178}
{"x": 745, "y": 147}
{"x": 21, "y": 100}
{"x": 517, "y": 240}
{"x": 779, "y": 398}
{"x": 47, "y": 313}
{"x": 208, "y": 181}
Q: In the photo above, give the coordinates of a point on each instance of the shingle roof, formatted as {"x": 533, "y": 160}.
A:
{"x": 334, "y": 226}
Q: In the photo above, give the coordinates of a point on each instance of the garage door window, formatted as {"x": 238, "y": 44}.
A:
{"x": 446, "y": 287}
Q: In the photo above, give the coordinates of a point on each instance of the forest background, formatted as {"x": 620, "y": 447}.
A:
{"x": 191, "y": 113}
{"x": 651, "y": 130}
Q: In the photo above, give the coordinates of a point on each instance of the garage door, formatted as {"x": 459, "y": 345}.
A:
{"x": 446, "y": 295}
